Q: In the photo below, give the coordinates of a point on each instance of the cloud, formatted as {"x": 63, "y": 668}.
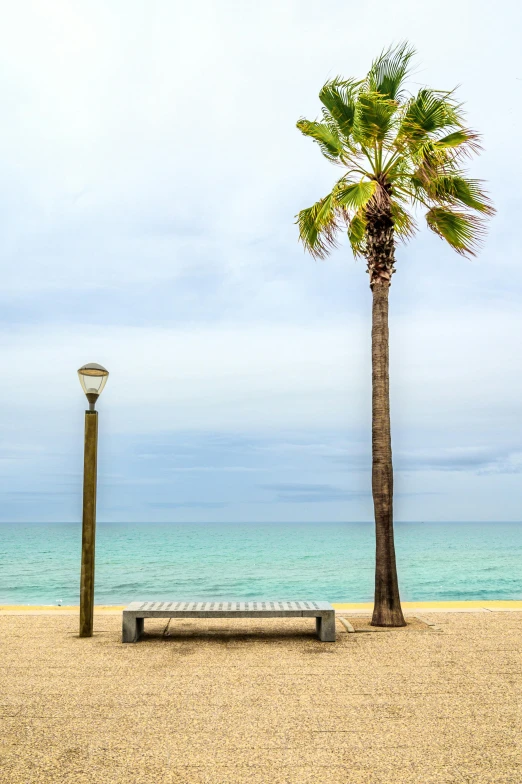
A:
{"x": 479, "y": 460}
{"x": 223, "y": 377}
{"x": 27, "y": 494}
{"x": 475, "y": 459}
{"x": 187, "y": 504}
{"x": 217, "y": 377}
{"x": 310, "y": 493}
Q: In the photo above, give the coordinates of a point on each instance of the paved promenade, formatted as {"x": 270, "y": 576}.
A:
{"x": 227, "y": 702}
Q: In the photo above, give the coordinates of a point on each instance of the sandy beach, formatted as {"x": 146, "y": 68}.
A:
{"x": 248, "y": 701}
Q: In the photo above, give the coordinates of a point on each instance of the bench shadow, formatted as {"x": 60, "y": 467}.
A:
{"x": 231, "y": 638}
{"x": 226, "y": 637}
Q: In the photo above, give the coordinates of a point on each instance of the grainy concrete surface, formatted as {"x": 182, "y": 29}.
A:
{"x": 233, "y": 701}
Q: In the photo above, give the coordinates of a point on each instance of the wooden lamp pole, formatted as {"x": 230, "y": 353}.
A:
{"x": 92, "y": 378}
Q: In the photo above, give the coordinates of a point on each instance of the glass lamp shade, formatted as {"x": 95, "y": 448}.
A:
{"x": 93, "y": 378}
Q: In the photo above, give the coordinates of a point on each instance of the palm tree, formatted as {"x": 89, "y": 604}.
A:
{"x": 400, "y": 154}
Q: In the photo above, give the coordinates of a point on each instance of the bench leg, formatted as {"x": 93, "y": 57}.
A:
{"x": 132, "y": 628}
{"x": 325, "y": 626}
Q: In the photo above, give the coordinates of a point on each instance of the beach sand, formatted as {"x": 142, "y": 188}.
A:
{"x": 232, "y": 701}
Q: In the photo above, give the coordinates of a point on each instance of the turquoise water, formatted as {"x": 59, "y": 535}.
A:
{"x": 40, "y": 562}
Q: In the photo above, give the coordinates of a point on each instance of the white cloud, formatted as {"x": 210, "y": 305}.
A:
{"x": 144, "y": 140}
{"x": 231, "y": 376}
{"x": 223, "y": 376}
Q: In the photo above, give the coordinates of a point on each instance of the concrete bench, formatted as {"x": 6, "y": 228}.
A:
{"x": 134, "y": 615}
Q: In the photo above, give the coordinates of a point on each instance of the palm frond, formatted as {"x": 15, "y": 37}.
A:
{"x": 462, "y": 231}
{"x": 373, "y": 118}
{"x": 456, "y": 188}
{"x": 404, "y": 224}
{"x": 429, "y": 112}
{"x": 414, "y": 190}
{"x": 463, "y": 142}
{"x": 431, "y": 160}
{"x": 355, "y": 195}
{"x": 318, "y": 226}
{"x": 325, "y": 136}
{"x": 339, "y": 98}
{"x": 389, "y": 71}
{"x": 357, "y": 233}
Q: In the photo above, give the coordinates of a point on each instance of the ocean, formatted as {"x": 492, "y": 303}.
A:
{"x": 40, "y": 562}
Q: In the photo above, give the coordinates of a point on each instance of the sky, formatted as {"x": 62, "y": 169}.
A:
{"x": 151, "y": 171}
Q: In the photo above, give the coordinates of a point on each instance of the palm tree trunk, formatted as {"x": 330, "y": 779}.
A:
{"x": 387, "y": 606}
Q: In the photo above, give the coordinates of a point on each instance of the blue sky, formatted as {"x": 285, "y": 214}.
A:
{"x": 151, "y": 171}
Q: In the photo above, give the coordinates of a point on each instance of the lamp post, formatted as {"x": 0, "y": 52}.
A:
{"x": 93, "y": 378}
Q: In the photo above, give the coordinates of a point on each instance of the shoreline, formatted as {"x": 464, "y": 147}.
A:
{"x": 340, "y": 607}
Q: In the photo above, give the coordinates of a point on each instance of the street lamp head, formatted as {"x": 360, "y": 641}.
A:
{"x": 93, "y": 378}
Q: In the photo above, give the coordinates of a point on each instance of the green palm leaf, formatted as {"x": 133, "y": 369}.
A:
{"x": 373, "y": 118}
{"x": 463, "y": 142}
{"x": 318, "y": 227}
{"x": 457, "y": 138}
{"x": 403, "y": 222}
{"x": 327, "y": 139}
{"x": 389, "y": 71}
{"x": 429, "y": 112}
{"x": 357, "y": 233}
{"x": 462, "y": 231}
{"x": 355, "y": 195}
{"x": 447, "y": 188}
{"x": 339, "y": 99}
